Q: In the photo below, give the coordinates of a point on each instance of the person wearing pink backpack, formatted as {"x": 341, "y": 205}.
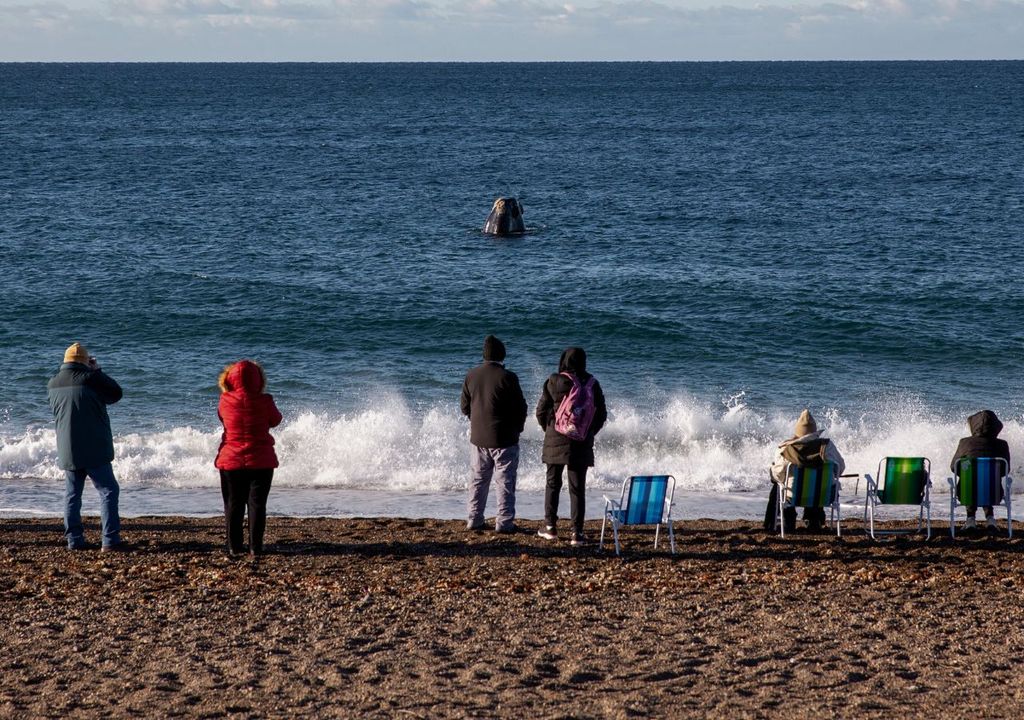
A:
{"x": 571, "y": 411}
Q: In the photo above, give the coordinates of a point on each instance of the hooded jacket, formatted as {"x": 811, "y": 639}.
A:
{"x": 810, "y": 450}
{"x": 559, "y": 449}
{"x": 984, "y": 441}
{"x": 247, "y": 413}
{"x": 79, "y": 396}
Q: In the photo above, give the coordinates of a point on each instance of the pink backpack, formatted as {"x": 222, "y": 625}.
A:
{"x": 576, "y": 411}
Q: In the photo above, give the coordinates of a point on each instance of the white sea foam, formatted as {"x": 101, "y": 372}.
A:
{"x": 393, "y": 447}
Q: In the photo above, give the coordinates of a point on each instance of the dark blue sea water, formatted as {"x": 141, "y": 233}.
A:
{"x": 730, "y": 242}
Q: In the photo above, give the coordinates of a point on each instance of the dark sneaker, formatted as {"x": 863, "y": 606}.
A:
{"x": 116, "y": 547}
{"x": 475, "y": 528}
{"x": 579, "y": 539}
{"x": 548, "y": 533}
{"x": 81, "y": 546}
{"x": 507, "y": 530}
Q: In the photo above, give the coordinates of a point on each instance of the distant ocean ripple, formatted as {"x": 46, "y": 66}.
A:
{"x": 730, "y": 242}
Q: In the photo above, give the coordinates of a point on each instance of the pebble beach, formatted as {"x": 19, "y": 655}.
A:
{"x": 420, "y": 618}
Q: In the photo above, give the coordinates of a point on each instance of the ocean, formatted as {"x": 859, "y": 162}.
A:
{"x": 730, "y": 242}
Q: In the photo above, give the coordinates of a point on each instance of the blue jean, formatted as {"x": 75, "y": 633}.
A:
{"x": 103, "y": 480}
{"x": 501, "y": 464}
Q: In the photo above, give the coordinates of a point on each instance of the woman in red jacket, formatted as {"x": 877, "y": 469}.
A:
{"x": 246, "y": 458}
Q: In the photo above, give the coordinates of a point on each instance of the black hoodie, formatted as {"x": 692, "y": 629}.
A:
{"x": 983, "y": 442}
{"x": 558, "y": 449}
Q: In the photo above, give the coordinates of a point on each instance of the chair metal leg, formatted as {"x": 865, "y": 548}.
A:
{"x": 869, "y": 509}
{"x": 600, "y": 542}
{"x": 671, "y": 537}
{"x": 657, "y": 529}
{"x": 928, "y": 508}
{"x": 1009, "y": 516}
{"x": 615, "y": 532}
{"x": 952, "y": 514}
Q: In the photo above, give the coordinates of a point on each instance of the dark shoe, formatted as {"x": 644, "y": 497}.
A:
{"x": 116, "y": 547}
{"x": 81, "y": 546}
{"x": 476, "y": 528}
{"x": 548, "y": 532}
{"x": 579, "y": 540}
{"x": 507, "y": 530}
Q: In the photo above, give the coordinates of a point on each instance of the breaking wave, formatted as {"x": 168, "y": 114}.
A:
{"x": 709, "y": 448}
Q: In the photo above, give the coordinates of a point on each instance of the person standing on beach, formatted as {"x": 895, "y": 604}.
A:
{"x": 246, "y": 458}
{"x": 984, "y": 441}
{"x": 493, "y": 401}
{"x": 562, "y": 451}
{"x": 807, "y": 448}
{"x": 79, "y": 394}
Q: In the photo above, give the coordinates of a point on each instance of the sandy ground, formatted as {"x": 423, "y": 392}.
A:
{"x": 418, "y": 618}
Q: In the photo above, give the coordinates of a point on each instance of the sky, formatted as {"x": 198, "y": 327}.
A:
{"x": 509, "y": 30}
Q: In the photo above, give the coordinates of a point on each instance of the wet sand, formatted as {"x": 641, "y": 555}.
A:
{"x": 418, "y": 618}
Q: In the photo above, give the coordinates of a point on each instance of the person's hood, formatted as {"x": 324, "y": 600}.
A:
{"x": 984, "y": 424}
{"x": 245, "y": 375}
{"x": 802, "y": 439}
{"x": 573, "y": 360}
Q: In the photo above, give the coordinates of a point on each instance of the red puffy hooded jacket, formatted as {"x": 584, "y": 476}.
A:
{"x": 247, "y": 413}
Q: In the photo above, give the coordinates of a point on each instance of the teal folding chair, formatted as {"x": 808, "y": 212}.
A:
{"x": 979, "y": 482}
{"x": 900, "y": 481}
{"x": 806, "y": 487}
{"x": 644, "y": 500}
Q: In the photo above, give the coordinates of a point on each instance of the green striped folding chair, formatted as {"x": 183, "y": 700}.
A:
{"x": 807, "y": 487}
{"x": 900, "y": 481}
{"x": 980, "y": 482}
{"x": 644, "y": 500}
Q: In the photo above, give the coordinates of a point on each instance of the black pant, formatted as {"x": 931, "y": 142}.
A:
{"x": 577, "y": 485}
{"x": 814, "y": 517}
{"x": 241, "y": 488}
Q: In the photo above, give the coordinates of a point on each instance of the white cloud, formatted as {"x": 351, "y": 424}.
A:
{"x": 509, "y": 29}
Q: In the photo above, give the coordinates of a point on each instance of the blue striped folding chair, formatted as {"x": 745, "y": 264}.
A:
{"x": 644, "y": 500}
{"x": 807, "y": 487}
{"x": 900, "y": 481}
{"x": 980, "y": 482}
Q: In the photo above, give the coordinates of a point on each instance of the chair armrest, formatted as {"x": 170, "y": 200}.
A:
{"x": 870, "y": 484}
{"x": 609, "y": 501}
{"x": 952, "y": 483}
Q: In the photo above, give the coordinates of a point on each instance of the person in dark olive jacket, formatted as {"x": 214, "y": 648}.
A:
{"x": 246, "y": 458}
{"x": 561, "y": 452}
{"x": 494, "y": 403}
{"x": 983, "y": 442}
{"x": 79, "y": 394}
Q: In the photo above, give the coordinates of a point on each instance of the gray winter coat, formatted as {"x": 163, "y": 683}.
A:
{"x": 79, "y": 397}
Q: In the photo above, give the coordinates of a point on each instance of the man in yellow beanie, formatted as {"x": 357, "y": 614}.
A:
{"x": 79, "y": 394}
{"x": 805, "y": 449}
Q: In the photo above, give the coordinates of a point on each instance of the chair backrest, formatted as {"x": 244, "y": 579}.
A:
{"x": 980, "y": 481}
{"x": 646, "y": 499}
{"x": 902, "y": 480}
{"x": 811, "y": 487}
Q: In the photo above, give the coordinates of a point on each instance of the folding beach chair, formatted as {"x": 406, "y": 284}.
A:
{"x": 900, "y": 481}
{"x": 980, "y": 482}
{"x": 644, "y": 500}
{"x": 806, "y": 487}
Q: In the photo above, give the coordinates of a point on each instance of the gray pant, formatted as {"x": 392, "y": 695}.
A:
{"x": 501, "y": 464}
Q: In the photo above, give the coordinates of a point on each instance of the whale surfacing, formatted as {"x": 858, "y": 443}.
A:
{"x": 506, "y": 218}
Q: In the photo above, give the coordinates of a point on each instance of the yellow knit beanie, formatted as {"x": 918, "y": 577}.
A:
{"x": 76, "y": 354}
